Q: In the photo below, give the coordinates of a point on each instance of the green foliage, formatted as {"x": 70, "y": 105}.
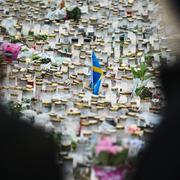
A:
{"x": 14, "y": 107}
{"x": 30, "y": 37}
{"x": 121, "y": 44}
{"x": 120, "y": 60}
{"x": 143, "y": 92}
{"x": 73, "y": 145}
{"x": 1, "y": 57}
{"x": 119, "y": 158}
{"x": 3, "y": 30}
{"x": 141, "y": 73}
{"x": 57, "y": 137}
{"x": 41, "y": 37}
{"x": 105, "y": 158}
{"x": 149, "y": 59}
{"x": 25, "y": 100}
{"x": 13, "y": 39}
{"x": 139, "y": 90}
{"x": 45, "y": 60}
{"x": 74, "y": 14}
{"x": 102, "y": 159}
{"x": 35, "y": 57}
{"x": 25, "y": 49}
{"x": 31, "y": 33}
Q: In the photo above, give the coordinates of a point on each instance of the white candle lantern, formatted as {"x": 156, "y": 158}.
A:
{"x": 156, "y": 45}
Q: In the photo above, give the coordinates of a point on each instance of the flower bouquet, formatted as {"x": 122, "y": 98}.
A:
{"x": 110, "y": 161}
{"x": 10, "y": 51}
{"x": 134, "y": 130}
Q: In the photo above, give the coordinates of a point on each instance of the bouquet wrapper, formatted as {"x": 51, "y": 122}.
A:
{"x": 109, "y": 173}
{"x": 10, "y": 51}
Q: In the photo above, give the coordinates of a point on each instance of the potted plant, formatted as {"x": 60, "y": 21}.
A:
{"x": 111, "y": 160}
{"x": 141, "y": 78}
{"x": 143, "y": 92}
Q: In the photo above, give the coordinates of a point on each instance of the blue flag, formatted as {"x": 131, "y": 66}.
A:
{"x": 97, "y": 73}
{"x": 97, "y": 87}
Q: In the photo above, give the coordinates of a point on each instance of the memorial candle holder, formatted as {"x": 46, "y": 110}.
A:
{"x": 84, "y": 126}
{"x": 23, "y": 63}
{"x": 76, "y": 52}
{"x": 73, "y": 119}
{"x": 30, "y": 42}
{"x": 113, "y": 111}
{"x": 156, "y": 45}
{"x": 145, "y": 105}
{"x": 139, "y": 22}
{"x": 163, "y": 52}
{"x": 27, "y": 92}
{"x": 46, "y": 106}
{"x": 58, "y": 107}
{"x": 56, "y": 121}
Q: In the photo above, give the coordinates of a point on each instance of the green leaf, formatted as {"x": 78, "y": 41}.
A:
{"x": 31, "y": 33}
{"x": 148, "y": 76}
{"x": 149, "y": 58}
{"x": 119, "y": 158}
{"x": 108, "y": 159}
{"x": 139, "y": 91}
{"x": 35, "y": 57}
{"x": 42, "y": 37}
{"x": 143, "y": 70}
{"x": 102, "y": 159}
{"x": 135, "y": 73}
{"x": 74, "y": 14}
{"x": 74, "y": 145}
{"x": 140, "y": 73}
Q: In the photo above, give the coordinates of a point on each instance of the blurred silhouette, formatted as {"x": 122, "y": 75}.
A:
{"x": 26, "y": 152}
{"x": 175, "y": 5}
{"x": 160, "y": 160}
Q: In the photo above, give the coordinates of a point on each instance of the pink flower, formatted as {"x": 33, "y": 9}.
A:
{"x": 106, "y": 141}
{"x": 133, "y": 129}
{"x": 14, "y": 49}
{"x": 107, "y": 145}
